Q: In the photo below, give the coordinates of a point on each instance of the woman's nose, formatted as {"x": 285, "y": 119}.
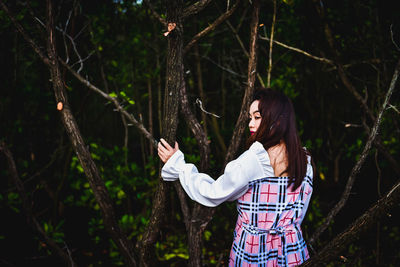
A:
{"x": 251, "y": 123}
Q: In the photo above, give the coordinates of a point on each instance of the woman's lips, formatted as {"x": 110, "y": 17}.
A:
{"x": 251, "y": 132}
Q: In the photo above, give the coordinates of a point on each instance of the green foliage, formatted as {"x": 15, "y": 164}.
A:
{"x": 126, "y": 44}
{"x": 55, "y": 232}
{"x": 126, "y": 184}
{"x": 173, "y": 247}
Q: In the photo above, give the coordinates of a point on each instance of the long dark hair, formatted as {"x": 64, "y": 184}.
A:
{"x": 278, "y": 124}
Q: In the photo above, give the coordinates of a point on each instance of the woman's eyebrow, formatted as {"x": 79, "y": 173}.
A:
{"x": 254, "y": 112}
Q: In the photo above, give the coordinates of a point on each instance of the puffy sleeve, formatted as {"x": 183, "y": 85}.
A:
{"x": 207, "y": 191}
{"x": 308, "y": 181}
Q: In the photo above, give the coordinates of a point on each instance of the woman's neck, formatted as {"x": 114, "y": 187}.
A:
{"x": 278, "y": 157}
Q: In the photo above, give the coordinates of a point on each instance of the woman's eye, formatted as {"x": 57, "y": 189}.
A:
{"x": 257, "y": 118}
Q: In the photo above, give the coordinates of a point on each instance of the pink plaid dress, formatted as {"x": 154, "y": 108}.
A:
{"x": 267, "y": 231}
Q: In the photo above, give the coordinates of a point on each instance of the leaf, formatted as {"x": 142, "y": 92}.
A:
{"x": 112, "y": 94}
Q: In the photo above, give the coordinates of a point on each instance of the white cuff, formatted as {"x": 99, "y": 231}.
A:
{"x": 174, "y": 165}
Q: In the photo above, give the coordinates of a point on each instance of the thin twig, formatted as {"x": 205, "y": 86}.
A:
{"x": 224, "y": 68}
{"x": 392, "y": 36}
{"x": 80, "y": 61}
{"x": 72, "y": 40}
{"x": 200, "y": 104}
{"x": 298, "y": 50}
{"x": 32, "y": 43}
{"x": 394, "y": 108}
{"x": 235, "y": 32}
{"x": 211, "y": 27}
{"x": 113, "y": 100}
{"x": 154, "y": 12}
{"x": 378, "y": 169}
{"x": 271, "y": 42}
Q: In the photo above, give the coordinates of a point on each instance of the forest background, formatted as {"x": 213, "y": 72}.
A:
{"x": 88, "y": 87}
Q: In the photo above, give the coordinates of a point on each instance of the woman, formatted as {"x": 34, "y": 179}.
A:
{"x": 271, "y": 181}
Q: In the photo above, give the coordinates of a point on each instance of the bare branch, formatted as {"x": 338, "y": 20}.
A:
{"x": 184, "y": 204}
{"x": 72, "y": 40}
{"x": 251, "y": 76}
{"x": 391, "y": 35}
{"x": 195, "y": 127}
{"x": 360, "y": 162}
{"x": 363, "y": 223}
{"x": 195, "y": 8}
{"x": 299, "y": 51}
{"x": 96, "y": 183}
{"x": 31, "y": 218}
{"x": 235, "y": 32}
{"x": 32, "y": 43}
{"x": 394, "y": 108}
{"x": 154, "y": 12}
{"x": 80, "y": 60}
{"x": 224, "y": 68}
{"x": 126, "y": 138}
{"x": 113, "y": 100}
{"x": 349, "y": 86}
{"x": 270, "y": 46}
{"x": 211, "y": 27}
{"x": 200, "y": 104}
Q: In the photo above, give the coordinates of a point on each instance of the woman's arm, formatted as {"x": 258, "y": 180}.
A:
{"x": 204, "y": 189}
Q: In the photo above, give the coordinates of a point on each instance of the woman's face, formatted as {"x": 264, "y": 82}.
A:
{"x": 255, "y": 117}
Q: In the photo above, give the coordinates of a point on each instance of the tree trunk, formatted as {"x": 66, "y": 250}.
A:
{"x": 201, "y": 215}
{"x": 171, "y": 103}
{"x": 97, "y": 184}
{"x": 251, "y": 77}
{"x": 150, "y": 108}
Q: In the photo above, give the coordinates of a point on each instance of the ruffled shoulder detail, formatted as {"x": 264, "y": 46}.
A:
{"x": 310, "y": 171}
{"x": 263, "y": 157}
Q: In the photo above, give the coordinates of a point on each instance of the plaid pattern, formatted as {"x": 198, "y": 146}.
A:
{"x": 267, "y": 231}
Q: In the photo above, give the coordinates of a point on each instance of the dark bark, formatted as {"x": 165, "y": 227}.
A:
{"x": 174, "y": 81}
{"x": 251, "y": 76}
{"x": 150, "y": 111}
{"x": 195, "y": 8}
{"x": 201, "y": 215}
{"x": 381, "y": 208}
{"x": 196, "y": 129}
{"x": 97, "y": 184}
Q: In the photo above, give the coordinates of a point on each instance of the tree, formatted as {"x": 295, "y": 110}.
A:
{"x": 108, "y": 65}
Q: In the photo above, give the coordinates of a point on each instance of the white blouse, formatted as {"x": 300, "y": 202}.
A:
{"x": 253, "y": 164}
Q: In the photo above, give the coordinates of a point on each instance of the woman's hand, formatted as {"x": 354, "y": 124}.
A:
{"x": 165, "y": 151}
